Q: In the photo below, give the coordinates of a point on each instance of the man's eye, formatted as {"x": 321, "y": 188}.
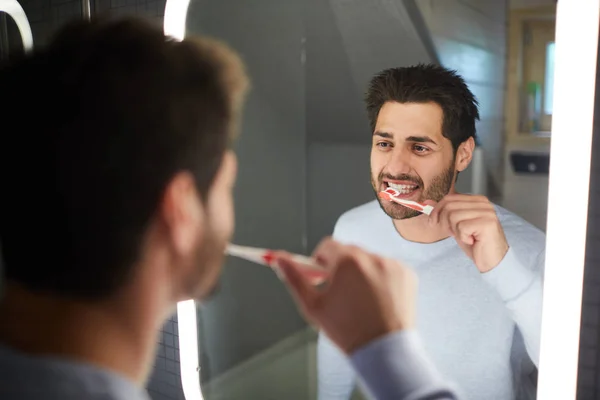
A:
{"x": 383, "y": 145}
{"x": 420, "y": 149}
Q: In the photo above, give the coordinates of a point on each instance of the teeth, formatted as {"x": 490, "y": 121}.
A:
{"x": 403, "y": 189}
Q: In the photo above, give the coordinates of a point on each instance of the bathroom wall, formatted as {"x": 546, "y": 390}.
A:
{"x": 470, "y": 37}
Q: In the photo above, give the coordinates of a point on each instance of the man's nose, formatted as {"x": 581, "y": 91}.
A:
{"x": 398, "y": 163}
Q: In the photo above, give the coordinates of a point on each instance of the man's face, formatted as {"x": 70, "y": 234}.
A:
{"x": 219, "y": 227}
{"x": 202, "y": 230}
{"x": 409, "y": 153}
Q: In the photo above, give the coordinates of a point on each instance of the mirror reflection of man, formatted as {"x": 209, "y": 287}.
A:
{"x": 480, "y": 266}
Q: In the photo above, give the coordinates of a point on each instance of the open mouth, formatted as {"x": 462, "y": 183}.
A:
{"x": 405, "y": 189}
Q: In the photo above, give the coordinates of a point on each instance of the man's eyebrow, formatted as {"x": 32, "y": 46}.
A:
{"x": 414, "y": 139}
{"x": 384, "y": 135}
{"x": 420, "y": 139}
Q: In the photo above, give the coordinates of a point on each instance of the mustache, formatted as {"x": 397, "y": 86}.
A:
{"x": 401, "y": 177}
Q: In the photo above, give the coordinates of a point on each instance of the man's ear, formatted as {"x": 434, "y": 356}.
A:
{"x": 464, "y": 154}
{"x": 182, "y": 213}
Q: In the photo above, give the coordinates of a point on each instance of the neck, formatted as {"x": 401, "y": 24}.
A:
{"x": 117, "y": 334}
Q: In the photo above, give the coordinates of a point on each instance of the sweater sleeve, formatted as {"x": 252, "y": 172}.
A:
{"x": 520, "y": 285}
{"x": 396, "y": 367}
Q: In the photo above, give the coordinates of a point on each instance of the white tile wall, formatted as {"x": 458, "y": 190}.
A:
{"x": 526, "y": 195}
{"x": 470, "y": 37}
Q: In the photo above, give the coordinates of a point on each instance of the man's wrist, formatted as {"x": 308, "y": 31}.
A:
{"x": 487, "y": 268}
{"x": 396, "y": 366}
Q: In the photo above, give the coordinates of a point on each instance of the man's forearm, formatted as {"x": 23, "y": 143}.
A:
{"x": 396, "y": 367}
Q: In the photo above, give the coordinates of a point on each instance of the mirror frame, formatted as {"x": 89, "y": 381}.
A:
{"x": 189, "y": 362}
{"x": 16, "y": 12}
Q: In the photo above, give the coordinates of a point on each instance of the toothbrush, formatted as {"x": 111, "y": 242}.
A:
{"x": 267, "y": 258}
{"x": 391, "y": 194}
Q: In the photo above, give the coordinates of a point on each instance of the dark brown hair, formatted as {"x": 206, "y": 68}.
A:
{"x": 425, "y": 83}
{"x": 99, "y": 122}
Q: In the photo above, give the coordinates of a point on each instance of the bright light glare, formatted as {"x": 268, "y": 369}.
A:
{"x": 175, "y": 18}
{"x": 188, "y": 350}
{"x": 572, "y": 122}
{"x": 16, "y": 12}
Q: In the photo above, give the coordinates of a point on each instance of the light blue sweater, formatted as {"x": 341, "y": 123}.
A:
{"x": 482, "y": 331}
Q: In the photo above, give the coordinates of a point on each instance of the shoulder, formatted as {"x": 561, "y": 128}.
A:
{"x": 359, "y": 218}
{"x": 361, "y": 213}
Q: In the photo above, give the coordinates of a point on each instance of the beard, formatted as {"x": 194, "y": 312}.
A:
{"x": 203, "y": 282}
{"x": 438, "y": 188}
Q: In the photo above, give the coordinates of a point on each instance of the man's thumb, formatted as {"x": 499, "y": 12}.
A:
{"x": 305, "y": 294}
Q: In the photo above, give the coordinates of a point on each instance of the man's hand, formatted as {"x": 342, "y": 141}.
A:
{"x": 473, "y": 222}
{"x": 366, "y": 296}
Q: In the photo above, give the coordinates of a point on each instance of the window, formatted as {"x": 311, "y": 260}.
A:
{"x": 549, "y": 79}
{"x": 537, "y": 76}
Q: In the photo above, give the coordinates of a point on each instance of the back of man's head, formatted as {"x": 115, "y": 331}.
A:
{"x": 95, "y": 126}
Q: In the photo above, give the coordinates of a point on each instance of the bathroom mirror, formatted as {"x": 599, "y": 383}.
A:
{"x": 306, "y": 135}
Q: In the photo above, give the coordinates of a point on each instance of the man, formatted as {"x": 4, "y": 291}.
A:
{"x": 480, "y": 267}
{"x": 119, "y": 205}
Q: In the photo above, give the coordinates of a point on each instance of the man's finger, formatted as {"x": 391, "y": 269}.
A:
{"x": 462, "y": 205}
{"x": 467, "y": 231}
{"x": 305, "y": 293}
{"x": 457, "y": 216}
{"x": 469, "y": 198}
{"x": 453, "y": 212}
{"x": 328, "y": 253}
{"x": 439, "y": 210}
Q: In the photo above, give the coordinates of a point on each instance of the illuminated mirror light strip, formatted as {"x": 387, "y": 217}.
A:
{"x": 188, "y": 350}
{"x": 572, "y": 122}
{"x": 175, "y": 18}
{"x": 16, "y": 12}
{"x": 189, "y": 363}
